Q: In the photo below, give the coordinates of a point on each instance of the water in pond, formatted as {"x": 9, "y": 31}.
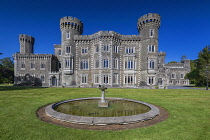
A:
{"x": 90, "y": 108}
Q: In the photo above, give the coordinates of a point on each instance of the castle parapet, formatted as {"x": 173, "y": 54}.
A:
{"x": 107, "y": 34}
{"x": 33, "y": 56}
{"x": 148, "y": 18}
{"x": 71, "y": 23}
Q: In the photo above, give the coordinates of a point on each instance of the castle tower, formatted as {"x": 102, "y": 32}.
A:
{"x": 26, "y": 44}
{"x": 69, "y": 27}
{"x": 161, "y": 57}
{"x": 148, "y": 25}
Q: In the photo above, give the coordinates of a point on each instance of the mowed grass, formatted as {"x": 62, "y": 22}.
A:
{"x": 189, "y": 114}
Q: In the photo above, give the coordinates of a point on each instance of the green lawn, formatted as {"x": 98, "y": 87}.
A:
{"x": 189, "y": 114}
{"x": 6, "y": 84}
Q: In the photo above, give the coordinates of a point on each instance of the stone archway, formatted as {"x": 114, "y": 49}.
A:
{"x": 160, "y": 81}
{"x": 54, "y": 81}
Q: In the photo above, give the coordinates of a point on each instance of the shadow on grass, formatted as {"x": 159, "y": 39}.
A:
{"x": 7, "y": 88}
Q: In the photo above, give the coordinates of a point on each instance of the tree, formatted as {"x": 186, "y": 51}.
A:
{"x": 7, "y": 62}
{"x": 200, "y": 68}
{"x": 6, "y": 70}
{"x": 172, "y": 62}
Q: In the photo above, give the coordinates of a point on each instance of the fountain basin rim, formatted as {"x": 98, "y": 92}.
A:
{"x": 102, "y": 120}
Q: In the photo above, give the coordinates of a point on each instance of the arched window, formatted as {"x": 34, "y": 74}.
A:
{"x": 173, "y": 76}
{"x": 160, "y": 81}
{"x": 182, "y": 76}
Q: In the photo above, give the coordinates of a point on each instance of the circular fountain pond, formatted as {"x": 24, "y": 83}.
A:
{"x": 86, "y": 111}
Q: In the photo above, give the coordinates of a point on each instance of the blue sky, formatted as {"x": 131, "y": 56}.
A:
{"x": 185, "y": 24}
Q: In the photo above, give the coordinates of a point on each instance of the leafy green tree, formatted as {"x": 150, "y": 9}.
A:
{"x": 172, "y": 62}
{"x": 7, "y": 62}
{"x": 200, "y": 68}
{"x": 6, "y": 70}
{"x": 203, "y": 66}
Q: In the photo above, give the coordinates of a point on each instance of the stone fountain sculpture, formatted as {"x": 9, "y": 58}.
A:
{"x": 103, "y": 102}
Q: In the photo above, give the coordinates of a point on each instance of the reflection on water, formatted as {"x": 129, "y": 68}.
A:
{"x": 90, "y": 108}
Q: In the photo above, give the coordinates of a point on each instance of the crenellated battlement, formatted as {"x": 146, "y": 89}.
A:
{"x": 162, "y": 54}
{"x": 107, "y": 34}
{"x": 57, "y": 45}
{"x": 26, "y": 38}
{"x": 33, "y": 56}
{"x": 151, "y": 18}
{"x": 71, "y": 23}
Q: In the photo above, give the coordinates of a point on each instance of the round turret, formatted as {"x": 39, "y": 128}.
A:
{"x": 148, "y": 25}
{"x": 151, "y": 19}
{"x": 26, "y": 44}
{"x": 71, "y": 23}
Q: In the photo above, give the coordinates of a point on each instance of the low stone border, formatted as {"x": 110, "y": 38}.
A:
{"x": 102, "y": 120}
{"x": 161, "y": 117}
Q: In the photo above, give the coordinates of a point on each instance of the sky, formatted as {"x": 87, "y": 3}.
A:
{"x": 185, "y": 24}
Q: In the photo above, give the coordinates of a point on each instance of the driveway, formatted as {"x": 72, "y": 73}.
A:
{"x": 184, "y": 87}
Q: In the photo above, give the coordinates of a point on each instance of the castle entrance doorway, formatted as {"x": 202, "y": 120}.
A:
{"x": 160, "y": 81}
{"x": 54, "y": 81}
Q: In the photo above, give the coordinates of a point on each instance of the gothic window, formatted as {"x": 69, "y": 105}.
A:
{"x": 84, "y": 64}
{"x": 115, "y": 63}
{"x": 129, "y": 50}
{"x": 160, "y": 81}
{"x": 151, "y": 48}
{"x": 97, "y": 48}
{"x": 42, "y": 65}
{"x": 96, "y": 63}
{"x": 68, "y": 49}
{"x": 130, "y": 64}
{"x": 106, "y": 48}
{"x": 150, "y": 80}
{"x": 67, "y": 63}
{"x": 173, "y": 76}
{"x": 106, "y": 63}
{"x": 129, "y": 79}
{"x": 32, "y": 65}
{"x": 96, "y": 78}
{"x": 84, "y": 79}
{"x": 106, "y": 79}
{"x": 84, "y": 50}
{"x": 43, "y": 78}
{"x": 151, "y": 64}
{"x": 151, "y": 32}
{"x": 182, "y": 76}
{"x": 67, "y": 35}
{"x": 22, "y": 65}
{"x": 59, "y": 52}
{"x": 115, "y": 49}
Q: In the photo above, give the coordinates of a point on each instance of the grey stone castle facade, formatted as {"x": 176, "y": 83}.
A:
{"x": 105, "y": 57}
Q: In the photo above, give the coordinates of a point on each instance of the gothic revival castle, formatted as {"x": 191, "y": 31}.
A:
{"x": 105, "y": 57}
